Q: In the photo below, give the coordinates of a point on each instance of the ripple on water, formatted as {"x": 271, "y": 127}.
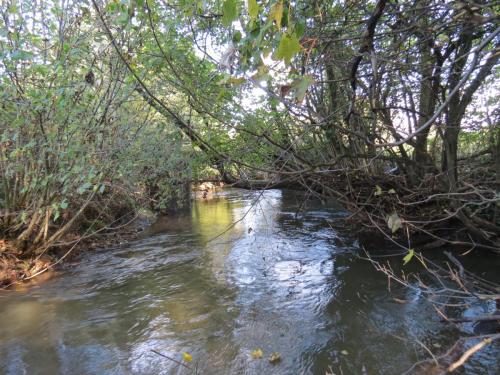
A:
{"x": 274, "y": 280}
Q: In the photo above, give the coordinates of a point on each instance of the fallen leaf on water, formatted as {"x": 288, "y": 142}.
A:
{"x": 275, "y": 357}
{"x": 257, "y": 353}
{"x": 400, "y": 300}
{"x": 187, "y": 357}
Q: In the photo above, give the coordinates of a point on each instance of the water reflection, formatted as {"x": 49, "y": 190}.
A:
{"x": 235, "y": 274}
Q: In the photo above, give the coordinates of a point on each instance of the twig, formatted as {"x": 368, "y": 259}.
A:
{"x": 171, "y": 359}
{"x": 480, "y": 318}
{"x": 471, "y": 351}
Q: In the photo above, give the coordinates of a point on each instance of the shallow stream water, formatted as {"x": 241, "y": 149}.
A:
{"x": 234, "y": 274}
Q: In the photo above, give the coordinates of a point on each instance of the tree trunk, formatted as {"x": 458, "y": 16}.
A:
{"x": 496, "y": 219}
{"x": 427, "y": 102}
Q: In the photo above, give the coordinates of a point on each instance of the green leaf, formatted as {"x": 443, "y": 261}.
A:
{"x": 378, "y": 191}
{"x": 84, "y": 187}
{"x": 237, "y": 37}
{"x": 21, "y": 55}
{"x": 394, "y": 222}
{"x": 289, "y": 46}
{"x": 41, "y": 69}
{"x": 262, "y": 71}
{"x": 408, "y": 256}
{"x": 300, "y": 29}
{"x": 229, "y": 12}
{"x": 253, "y": 9}
{"x": 63, "y": 204}
{"x": 123, "y": 19}
{"x": 301, "y": 86}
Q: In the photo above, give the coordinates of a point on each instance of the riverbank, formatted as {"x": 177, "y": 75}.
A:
{"x": 16, "y": 268}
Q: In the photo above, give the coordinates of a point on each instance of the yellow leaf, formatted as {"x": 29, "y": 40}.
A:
{"x": 408, "y": 256}
{"x": 275, "y": 357}
{"x": 276, "y": 12}
{"x": 236, "y": 80}
{"x": 187, "y": 357}
{"x": 257, "y": 353}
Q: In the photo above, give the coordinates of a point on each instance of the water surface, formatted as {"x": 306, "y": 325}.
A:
{"x": 234, "y": 274}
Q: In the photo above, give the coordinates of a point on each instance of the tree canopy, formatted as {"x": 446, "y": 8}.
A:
{"x": 389, "y": 106}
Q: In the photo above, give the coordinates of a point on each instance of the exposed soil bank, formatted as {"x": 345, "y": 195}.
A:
{"x": 15, "y": 269}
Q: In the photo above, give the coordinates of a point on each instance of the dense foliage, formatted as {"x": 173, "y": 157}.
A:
{"x": 389, "y": 106}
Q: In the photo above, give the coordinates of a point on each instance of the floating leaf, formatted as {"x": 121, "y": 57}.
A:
{"x": 401, "y": 301}
{"x": 408, "y": 256}
{"x": 187, "y": 357}
{"x": 257, "y": 353}
{"x": 289, "y": 46}
{"x": 253, "y": 9}
{"x": 378, "y": 190}
{"x": 394, "y": 222}
{"x": 229, "y": 12}
{"x": 275, "y": 357}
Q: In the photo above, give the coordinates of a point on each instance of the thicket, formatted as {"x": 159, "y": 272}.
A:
{"x": 391, "y": 107}
{"x": 80, "y": 150}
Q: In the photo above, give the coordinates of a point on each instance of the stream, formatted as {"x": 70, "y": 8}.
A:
{"x": 241, "y": 270}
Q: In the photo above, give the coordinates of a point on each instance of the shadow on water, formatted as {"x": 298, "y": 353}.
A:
{"x": 233, "y": 274}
